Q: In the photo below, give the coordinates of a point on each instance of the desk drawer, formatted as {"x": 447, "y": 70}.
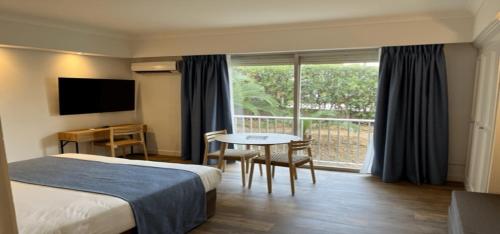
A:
{"x": 83, "y": 136}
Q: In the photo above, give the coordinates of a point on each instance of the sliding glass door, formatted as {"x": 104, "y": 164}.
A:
{"x": 338, "y": 111}
{"x": 329, "y": 96}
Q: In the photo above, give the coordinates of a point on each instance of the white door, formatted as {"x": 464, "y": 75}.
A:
{"x": 483, "y": 120}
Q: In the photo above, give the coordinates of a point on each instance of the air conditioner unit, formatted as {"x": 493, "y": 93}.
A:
{"x": 166, "y": 66}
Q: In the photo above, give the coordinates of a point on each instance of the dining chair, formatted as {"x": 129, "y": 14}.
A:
{"x": 124, "y": 136}
{"x": 244, "y": 156}
{"x": 292, "y": 159}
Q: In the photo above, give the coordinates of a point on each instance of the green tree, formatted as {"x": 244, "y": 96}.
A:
{"x": 328, "y": 90}
{"x": 348, "y": 91}
{"x": 250, "y": 98}
{"x": 276, "y": 82}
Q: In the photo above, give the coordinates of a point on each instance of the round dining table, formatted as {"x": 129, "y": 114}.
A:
{"x": 257, "y": 139}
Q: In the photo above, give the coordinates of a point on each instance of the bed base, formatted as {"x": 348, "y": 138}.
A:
{"x": 211, "y": 201}
{"x": 211, "y": 197}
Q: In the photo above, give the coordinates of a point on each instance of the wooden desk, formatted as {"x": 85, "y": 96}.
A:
{"x": 86, "y": 135}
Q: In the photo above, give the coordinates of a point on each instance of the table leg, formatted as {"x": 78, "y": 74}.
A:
{"x": 61, "y": 144}
{"x": 77, "y": 148}
{"x": 145, "y": 140}
{"x": 131, "y": 147}
{"x": 268, "y": 168}
{"x": 223, "y": 147}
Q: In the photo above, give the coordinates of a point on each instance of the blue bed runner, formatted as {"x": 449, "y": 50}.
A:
{"x": 163, "y": 200}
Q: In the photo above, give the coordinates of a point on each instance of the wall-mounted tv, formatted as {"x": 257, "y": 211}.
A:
{"x": 82, "y": 96}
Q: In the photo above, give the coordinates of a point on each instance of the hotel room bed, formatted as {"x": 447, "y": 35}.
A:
{"x": 43, "y": 209}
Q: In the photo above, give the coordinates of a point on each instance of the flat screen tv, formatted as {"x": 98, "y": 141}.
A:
{"x": 82, "y": 96}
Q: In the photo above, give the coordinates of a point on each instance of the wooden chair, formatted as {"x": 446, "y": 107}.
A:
{"x": 123, "y": 136}
{"x": 292, "y": 160}
{"x": 244, "y": 156}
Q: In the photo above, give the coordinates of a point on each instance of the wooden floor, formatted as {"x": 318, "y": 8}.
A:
{"x": 340, "y": 202}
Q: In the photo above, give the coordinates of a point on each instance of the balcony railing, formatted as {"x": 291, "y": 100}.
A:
{"x": 337, "y": 142}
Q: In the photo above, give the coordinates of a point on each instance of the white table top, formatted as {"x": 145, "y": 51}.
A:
{"x": 257, "y": 138}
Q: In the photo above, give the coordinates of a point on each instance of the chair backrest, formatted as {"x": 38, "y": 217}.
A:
{"x": 127, "y": 130}
{"x": 305, "y": 144}
{"x": 210, "y": 136}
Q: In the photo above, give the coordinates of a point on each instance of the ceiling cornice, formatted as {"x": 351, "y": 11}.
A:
{"x": 30, "y": 20}
{"x": 306, "y": 26}
{"x": 475, "y": 5}
{"x": 486, "y": 37}
{"x": 112, "y": 43}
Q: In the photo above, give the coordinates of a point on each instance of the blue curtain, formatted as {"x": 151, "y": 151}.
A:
{"x": 411, "y": 121}
{"x": 205, "y": 100}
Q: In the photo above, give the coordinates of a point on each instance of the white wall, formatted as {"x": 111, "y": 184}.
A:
{"x": 460, "y": 65}
{"x": 334, "y": 35}
{"x": 29, "y": 101}
{"x": 159, "y": 106}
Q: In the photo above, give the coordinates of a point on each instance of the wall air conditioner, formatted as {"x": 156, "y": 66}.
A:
{"x": 165, "y": 66}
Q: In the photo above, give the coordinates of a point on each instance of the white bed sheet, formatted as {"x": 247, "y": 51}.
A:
{"x": 42, "y": 209}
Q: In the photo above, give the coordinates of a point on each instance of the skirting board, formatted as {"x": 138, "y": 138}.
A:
{"x": 168, "y": 152}
{"x": 456, "y": 172}
{"x": 160, "y": 152}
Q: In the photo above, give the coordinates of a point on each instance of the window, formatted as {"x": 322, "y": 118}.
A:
{"x": 327, "y": 95}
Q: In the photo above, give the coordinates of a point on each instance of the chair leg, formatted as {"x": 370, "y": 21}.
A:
{"x": 205, "y": 160}
{"x": 292, "y": 181}
{"x": 273, "y": 170}
{"x": 113, "y": 154}
{"x": 295, "y": 173}
{"x": 145, "y": 152}
{"x": 243, "y": 174}
{"x": 260, "y": 169}
{"x": 250, "y": 178}
{"x": 247, "y": 161}
{"x": 312, "y": 171}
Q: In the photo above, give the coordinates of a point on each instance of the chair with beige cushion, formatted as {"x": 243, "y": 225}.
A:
{"x": 124, "y": 136}
{"x": 292, "y": 159}
{"x": 244, "y": 156}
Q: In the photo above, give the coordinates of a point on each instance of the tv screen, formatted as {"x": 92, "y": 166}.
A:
{"x": 81, "y": 96}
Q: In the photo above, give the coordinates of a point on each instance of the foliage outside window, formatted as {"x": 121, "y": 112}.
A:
{"x": 328, "y": 90}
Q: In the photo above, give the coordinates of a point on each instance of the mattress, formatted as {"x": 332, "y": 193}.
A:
{"x": 41, "y": 209}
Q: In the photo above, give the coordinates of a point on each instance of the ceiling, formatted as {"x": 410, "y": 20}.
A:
{"x": 164, "y": 16}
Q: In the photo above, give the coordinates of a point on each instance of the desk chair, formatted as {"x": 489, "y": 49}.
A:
{"x": 292, "y": 160}
{"x": 123, "y": 136}
{"x": 244, "y": 156}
